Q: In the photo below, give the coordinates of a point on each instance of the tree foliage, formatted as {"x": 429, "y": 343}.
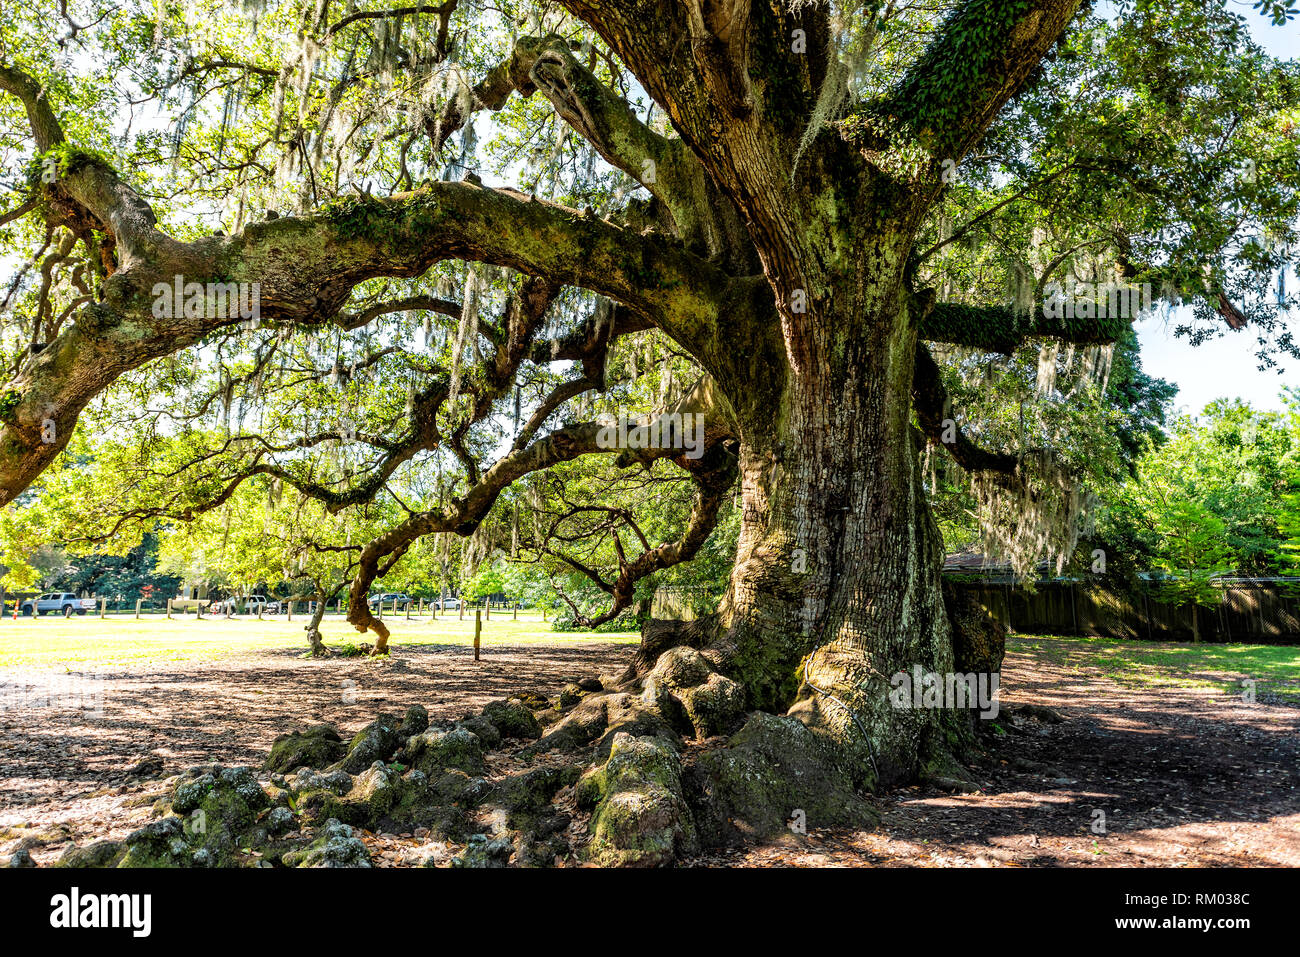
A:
{"x": 475, "y": 228}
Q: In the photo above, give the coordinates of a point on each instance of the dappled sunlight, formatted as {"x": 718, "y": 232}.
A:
{"x": 66, "y": 774}
{"x": 1161, "y": 774}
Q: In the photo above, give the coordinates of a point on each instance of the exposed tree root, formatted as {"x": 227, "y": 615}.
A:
{"x": 318, "y": 647}
{"x": 665, "y": 760}
{"x": 657, "y": 636}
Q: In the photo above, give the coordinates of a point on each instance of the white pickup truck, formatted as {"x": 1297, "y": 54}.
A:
{"x": 60, "y": 601}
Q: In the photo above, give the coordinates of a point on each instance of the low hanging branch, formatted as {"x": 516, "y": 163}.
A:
{"x": 463, "y": 514}
{"x": 305, "y": 269}
{"x": 930, "y": 401}
{"x": 1005, "y": 329}
{"x": 714, "y": 475}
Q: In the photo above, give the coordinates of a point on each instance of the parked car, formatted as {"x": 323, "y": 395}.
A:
{"x": 387, "y": 599}
{"x": 251, "y": 603}
{"x": 448, "y": 604}
{"x": 60, "y": 601}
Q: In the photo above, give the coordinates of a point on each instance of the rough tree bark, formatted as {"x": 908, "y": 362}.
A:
{"x": 836, "y": 583}
{"x": 314, "y": 639}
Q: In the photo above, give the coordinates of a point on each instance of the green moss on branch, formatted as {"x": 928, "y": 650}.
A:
{"x": 1003, "y": 329}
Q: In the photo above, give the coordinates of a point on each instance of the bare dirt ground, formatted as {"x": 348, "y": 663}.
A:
{"x": 1184, "y": 777}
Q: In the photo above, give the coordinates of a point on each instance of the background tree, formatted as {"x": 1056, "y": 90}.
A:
{"x": 486, "y": 582}
{"x": 1225, "y": 470}
{"x": 1191, "y": 553}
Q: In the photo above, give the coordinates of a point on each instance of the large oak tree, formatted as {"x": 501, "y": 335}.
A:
{"x": 806, "y": 201}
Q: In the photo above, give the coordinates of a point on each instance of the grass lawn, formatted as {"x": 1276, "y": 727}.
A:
{"x": 50, "y": 642}
{"x": 1276, "y": 668}
{"x": 54, "y": 642}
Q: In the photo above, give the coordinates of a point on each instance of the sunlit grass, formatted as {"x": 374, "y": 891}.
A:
{"x": 1276, "y": 668}
{"x": 121, "y": 639}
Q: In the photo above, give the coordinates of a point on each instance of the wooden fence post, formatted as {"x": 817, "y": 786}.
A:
{"x": 516, "y": 616}
{"x": 478, "y": 628}
{"x": 487, "y": 609}
{"x": 137, "y": 608}
{"x": 169, "y": 609}
{"x": 103, "y": 607}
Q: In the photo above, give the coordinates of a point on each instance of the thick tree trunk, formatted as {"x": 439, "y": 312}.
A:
{"x": 381, "y": 637}
{"x": 836, "y": 584}
{"x": 834, "y": 592}
{"x": 313, "y": 627}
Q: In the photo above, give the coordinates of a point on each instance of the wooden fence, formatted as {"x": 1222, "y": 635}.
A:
{"x": 1252, "y": 611}
{"x": 1260, "y": 612}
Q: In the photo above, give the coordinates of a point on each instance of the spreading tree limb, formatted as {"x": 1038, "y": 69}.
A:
{"x": 305, "y": 268}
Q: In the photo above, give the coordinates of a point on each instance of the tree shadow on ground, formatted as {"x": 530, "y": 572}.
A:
{"x": 1184, "y": 776}
{"x": 1181, "y": 776}
{"x": 64, "y": 769}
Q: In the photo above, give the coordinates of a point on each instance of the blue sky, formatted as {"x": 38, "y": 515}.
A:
{"x": 1224, "y": 367}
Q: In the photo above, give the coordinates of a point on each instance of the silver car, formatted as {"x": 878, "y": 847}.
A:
{"x": 251, "y": 603}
